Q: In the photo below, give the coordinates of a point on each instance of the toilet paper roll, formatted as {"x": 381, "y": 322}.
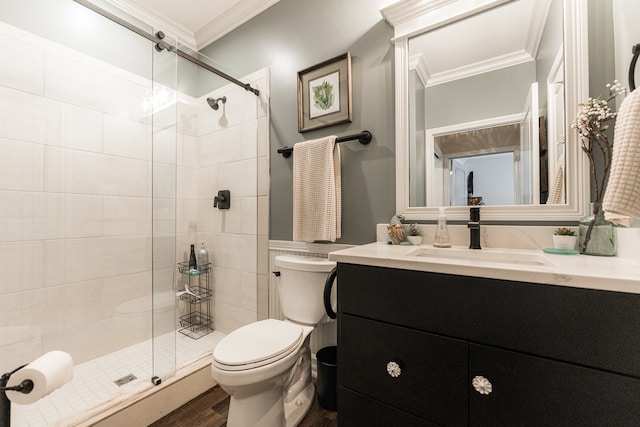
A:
{"x": 48, "y": 372}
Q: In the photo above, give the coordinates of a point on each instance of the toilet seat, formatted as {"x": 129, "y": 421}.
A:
{"x": 257, "y": 344}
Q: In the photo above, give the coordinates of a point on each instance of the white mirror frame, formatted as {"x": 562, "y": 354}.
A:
{"x": 410, "y": 18}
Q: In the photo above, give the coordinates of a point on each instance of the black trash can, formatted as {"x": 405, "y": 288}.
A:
{"x": 327, "y": 360}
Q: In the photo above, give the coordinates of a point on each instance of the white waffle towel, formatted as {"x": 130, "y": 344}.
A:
{"x": 622, "y": 197}
{"x": 317, "y": 204}
{"x": 556, "y": 195}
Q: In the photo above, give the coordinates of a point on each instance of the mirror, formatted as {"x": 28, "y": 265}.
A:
{"x": 485, "y": 93}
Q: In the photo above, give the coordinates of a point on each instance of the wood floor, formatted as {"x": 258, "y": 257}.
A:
{"x": 211, "y": 407}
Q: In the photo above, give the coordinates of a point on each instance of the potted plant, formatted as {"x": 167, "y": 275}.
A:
{"x": 564, "y": 238}
{"x": 413, "y": 235}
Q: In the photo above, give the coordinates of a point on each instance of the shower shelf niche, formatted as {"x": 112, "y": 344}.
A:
{"x": 197, "y": 321}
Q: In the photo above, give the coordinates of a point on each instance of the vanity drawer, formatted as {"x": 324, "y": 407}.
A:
{"x": 431, "y": 382}
{"x": 527, "y": 388}
{"x": 593, "y": 328}
{"x": 356, "y": 410}
{"x": 424, "y": 301}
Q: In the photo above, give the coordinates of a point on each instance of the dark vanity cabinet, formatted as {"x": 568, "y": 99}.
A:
{"x": 426, "y": 349}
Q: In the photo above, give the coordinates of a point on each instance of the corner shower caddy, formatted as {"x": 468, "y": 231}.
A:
{"x": 198, "y": 321}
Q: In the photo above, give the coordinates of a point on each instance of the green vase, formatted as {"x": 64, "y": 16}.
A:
{"x": 597, "y": 236}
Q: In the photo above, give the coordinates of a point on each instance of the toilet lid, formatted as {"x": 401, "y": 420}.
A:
{"x": 267, "y": 340}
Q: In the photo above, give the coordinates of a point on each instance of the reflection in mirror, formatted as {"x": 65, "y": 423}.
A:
{"x": 480, "y": 166}
{"x": 486, "y": 107}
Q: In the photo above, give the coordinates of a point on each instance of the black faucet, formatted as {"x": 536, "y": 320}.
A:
{"x": 474, "y": 228}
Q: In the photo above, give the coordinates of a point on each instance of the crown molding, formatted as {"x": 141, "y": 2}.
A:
{"x": 417, "y": 63}
{"x": 491, "y": 64}
{"x": 200, "y": 38}
{"x": 538, "y": 19}
{"x": 405, "y": 10}
{"x": 231, "y": 20}
{"x": 411, "y": 17}
{"x": 157, "y": 20}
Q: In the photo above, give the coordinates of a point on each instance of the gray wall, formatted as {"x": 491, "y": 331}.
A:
{"x": 294, "y": 35}
{"x": 287, "y": 40}
{"x": 601, "y": 56}
{"x": 487, "y": 95}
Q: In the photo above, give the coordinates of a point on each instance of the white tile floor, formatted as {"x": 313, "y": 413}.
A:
{"x": 93, "y": 382}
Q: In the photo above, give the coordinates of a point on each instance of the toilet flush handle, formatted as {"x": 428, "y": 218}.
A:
{"x": 328, "y": 285}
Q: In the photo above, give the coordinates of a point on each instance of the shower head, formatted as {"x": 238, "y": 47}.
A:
{"x": 213, "y": 103}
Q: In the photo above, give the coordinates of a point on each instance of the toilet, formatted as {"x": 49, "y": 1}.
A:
{"x": 266, "y": 366}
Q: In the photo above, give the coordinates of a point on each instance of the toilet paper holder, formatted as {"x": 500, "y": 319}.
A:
{"x": 33, "y": 381}
{"x": 5, "y": 404}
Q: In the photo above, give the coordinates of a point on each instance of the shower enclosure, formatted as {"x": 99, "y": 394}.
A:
{"x": 110, "y": 156}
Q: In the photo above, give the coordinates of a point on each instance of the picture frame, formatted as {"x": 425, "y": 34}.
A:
{"x": 325, "y": 94}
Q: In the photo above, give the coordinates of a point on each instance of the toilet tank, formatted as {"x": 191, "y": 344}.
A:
{"x": 301, "y": 287}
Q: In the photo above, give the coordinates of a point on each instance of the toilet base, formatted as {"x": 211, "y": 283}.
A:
{"x": 260, "y": 410}
{"x": 296, "y": 410}
{"x": 280, "y": 401}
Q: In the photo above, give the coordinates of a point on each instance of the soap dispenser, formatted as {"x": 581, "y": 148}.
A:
{"x": 441, "y": 238}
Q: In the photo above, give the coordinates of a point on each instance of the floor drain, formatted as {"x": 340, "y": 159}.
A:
{"x": 124, "y": 380}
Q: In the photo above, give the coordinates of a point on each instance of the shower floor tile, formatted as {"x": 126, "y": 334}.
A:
{"x": 93, "y": 386}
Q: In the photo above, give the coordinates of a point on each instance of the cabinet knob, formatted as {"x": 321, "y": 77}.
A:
{"x": 482, "y": 385}
{"x": 393, "y": 369}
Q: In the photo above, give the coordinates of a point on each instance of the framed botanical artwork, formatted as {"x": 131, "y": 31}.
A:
{"x": 324, "y": 94}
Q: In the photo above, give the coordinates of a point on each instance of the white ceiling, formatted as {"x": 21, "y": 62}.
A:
{"x": 196, "y": 23}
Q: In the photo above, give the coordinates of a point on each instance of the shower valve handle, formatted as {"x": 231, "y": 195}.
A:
{"x": 222, "y": 200}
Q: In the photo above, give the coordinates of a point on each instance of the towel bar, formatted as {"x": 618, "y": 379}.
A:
{"x": 364, "y": 137}
{"x": 632, "y": 68}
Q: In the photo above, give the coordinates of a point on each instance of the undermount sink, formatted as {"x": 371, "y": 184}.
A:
{"x": 482, "y": 255}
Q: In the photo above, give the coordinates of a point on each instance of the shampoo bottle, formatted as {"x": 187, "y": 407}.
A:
{"x": 203, "y": 256}
{"x": 441, "y": 238}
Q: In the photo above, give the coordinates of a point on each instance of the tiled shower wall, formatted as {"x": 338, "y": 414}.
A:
{"x": 76, "y": 208}
{"x": 232, "y": 150}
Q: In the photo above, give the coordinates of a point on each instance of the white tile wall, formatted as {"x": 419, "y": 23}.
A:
{"x": 128, "y": 215}
{"x": 83, "y": 129}
{"x": 75, "y": 206}
{"x": 75, "y": 260}
{"x": 104, "y": 91}
{"x": 28, "y": 117}
{"x": 83, "y": 215}
{"x": 21, "y": 266}
{"x": 76, "y": 211}
{"x": 16, "y": 225}
{"x": 220, "y": 147}
{"x": 21, "y": 165}
{"x": 129, "y": 138}
{"x": 25, "y": 70}
{"x": 232, "y": 143}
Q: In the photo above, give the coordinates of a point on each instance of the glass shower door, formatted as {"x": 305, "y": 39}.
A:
{"x": 163, "y": 102}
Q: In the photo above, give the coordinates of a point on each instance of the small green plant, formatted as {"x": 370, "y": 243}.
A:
{"x": 562, "y": 231}
{"x": 414, "y": 230}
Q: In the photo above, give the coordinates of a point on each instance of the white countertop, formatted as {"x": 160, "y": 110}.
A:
{"x": 580, "y": 271}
